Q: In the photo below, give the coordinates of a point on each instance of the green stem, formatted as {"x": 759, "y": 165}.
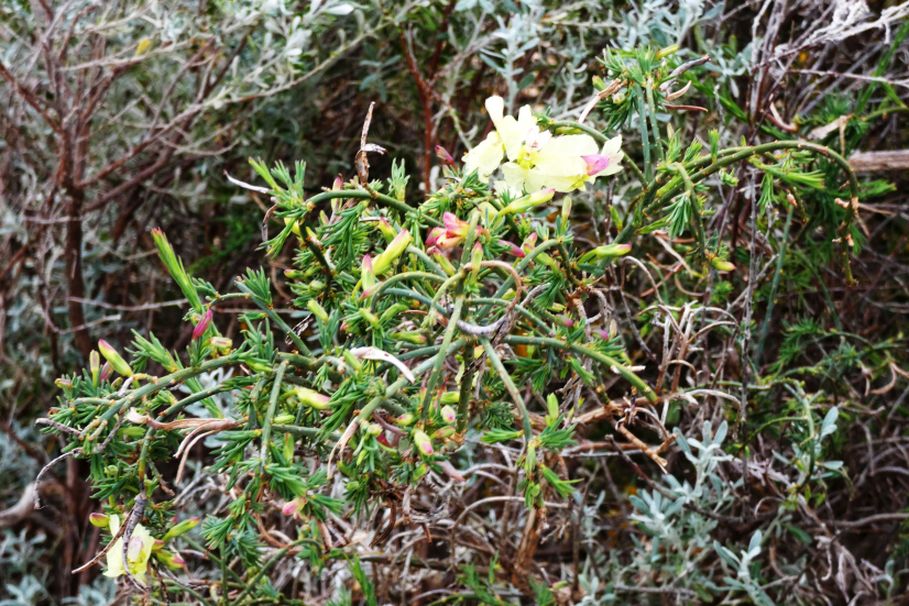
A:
{"x": 407, "y": 275}
{"x": 166, "y": 381}
{"x": 442, "y": 354}
{"x": 274, "y": 317}
{"x": 362, "y": 194}
{"x": 609, "y": 361}
{"x": 768, "y": 316}
{"x": 464, "y": 395}
{"x": 270, "y": 413}
{"x": 510, "y": 387}
{"x": 269, "y": 563}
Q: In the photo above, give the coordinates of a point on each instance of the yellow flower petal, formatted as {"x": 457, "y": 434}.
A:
{"x": 485, "y": 157}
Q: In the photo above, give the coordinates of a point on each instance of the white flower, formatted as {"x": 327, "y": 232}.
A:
{"x": 137, "y": 552}
{"x": 536, "y": 159}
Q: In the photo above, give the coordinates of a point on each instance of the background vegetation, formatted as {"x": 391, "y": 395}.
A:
{"x": 772, "y": 466}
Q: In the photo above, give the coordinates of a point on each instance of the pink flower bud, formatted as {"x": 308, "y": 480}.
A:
{"x": 98, "y": 520}
{"x": 448, "y": 414}
{"x": 443, "y": 156}
{"x": 513, "y": 249}
{"x": 290, "y": 508}
{"x": 422, "y": 442}
{"x": 203, "y": 324}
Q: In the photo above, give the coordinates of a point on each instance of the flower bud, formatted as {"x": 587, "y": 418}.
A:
{"x": 386, "y": 229}
{"x": 180, "y": 528}
{"x": 373, "y": 429}
{"x": 405, "y": 419}
{"x": 607, "y": 251}
{"x": 395, "y": 249}
{"x": 203, "y": 324}
{"x": 94, "y": 364}
{"x": 311, "y": 398}
{"x": 415, "y": 338}
{"x": 443, "y": 156}
{"x": 113, "y": 358}
{"x": 171, "y": 559}
{"x": 529, "y": 201}
{"x": 422, "y": 442}
{"x": 448, "y": 414}
{"x": 317, "y": 310}
{"x": 444, "y": 432}
{"x": 370, "y": 317}
{"x": 450, "y": 397}
{"x": 294, "y": 226}
{"x": 612, "y": 250}
{"x": 98, "y": 520}
{"x": 513, "y": 249}
{"x": 566, "y": 209}
{"x": 292, "y": 507}
{"x": 552, "y": 407}
{"x": 367, "y": 274}
{"x": 721, "y": 264}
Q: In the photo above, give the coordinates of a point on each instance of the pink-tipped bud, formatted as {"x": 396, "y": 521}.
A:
{"x": 114, "y": 359}
{"x": 311, "y": 398}
{"x": 434, "y": 234}
{"x": 454, "y": 226}
{"x": 443, "y": 156}
{"x": 98, "y": 520}
{"x": 596, "y": 163}
{"x": 203, "y": 324}
{"x": 291, "y": 507}
{"x": 448, "y": 414}
{"x": 513, "y": 249}
{"x": 171, "y": 559}
{"x": 338, "y": 183}
{"x": 367, "y": 275}
{"x": 386, "y": 228}
{"x": 422, "y": 442}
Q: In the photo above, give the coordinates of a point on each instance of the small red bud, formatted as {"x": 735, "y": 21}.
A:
{"x": 203, "y": 324}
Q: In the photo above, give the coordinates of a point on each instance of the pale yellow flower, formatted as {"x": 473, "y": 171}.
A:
{"x": 536, "y": 159}
{"x": 138, "y": 552}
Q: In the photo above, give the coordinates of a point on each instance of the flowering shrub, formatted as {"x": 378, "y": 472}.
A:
{"x": 430, "y": 345}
